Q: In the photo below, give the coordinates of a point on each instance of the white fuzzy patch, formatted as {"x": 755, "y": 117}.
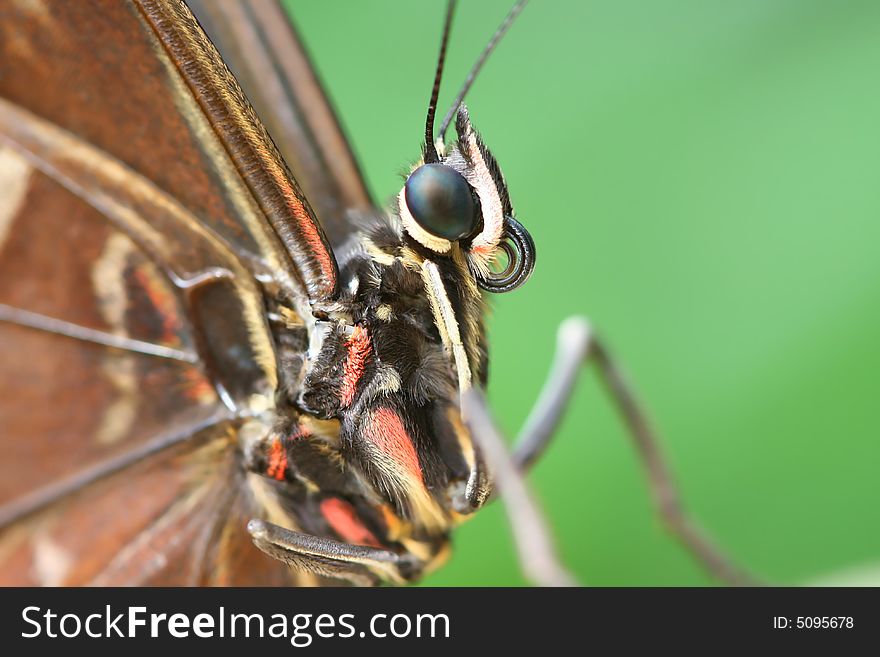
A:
{"x": 493, "y": 212}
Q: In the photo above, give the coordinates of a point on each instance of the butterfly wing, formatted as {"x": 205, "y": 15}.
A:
{"x": 142, "y": 203}
{"x": 264, "y": 51}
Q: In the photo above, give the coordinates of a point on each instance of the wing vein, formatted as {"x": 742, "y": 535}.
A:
{"x": 43, "y": 497}
{"x": 56, "y": 326}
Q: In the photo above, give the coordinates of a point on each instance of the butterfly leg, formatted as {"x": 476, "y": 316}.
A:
{"x": 537, "y": 554}
{"x": 266, "y": 453}
{"x": 578, "y": 344}
{"x": 358, "y": 564}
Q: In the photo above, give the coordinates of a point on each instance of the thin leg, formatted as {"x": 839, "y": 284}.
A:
{"x": 358, "y": 564}
{"x": 266, "y": 454}
{"x": 578, "y": 344}
{"x": 537, "y": 554}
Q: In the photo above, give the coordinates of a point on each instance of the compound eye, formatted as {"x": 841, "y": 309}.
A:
{"x": 440, "y": 200}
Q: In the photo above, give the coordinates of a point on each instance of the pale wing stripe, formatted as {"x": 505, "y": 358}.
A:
{"x": 139, "y": 208}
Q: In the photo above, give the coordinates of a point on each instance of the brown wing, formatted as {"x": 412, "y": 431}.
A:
{"x": 260, "y": 45}
{"x": 141, "y": 203}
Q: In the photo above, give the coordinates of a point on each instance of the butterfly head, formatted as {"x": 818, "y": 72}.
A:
{"x": 456, "y": 199}
{"x": 406, "y": 340}
{"x": 409, "y": 339}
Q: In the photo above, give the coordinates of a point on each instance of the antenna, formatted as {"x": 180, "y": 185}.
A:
{"x": 468, "y": 83}
{"x": 430, "y": 149}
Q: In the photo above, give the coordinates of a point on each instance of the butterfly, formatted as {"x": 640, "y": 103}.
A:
{"x": 223, "y": 365}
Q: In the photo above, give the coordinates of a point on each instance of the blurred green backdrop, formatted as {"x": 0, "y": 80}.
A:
{"x": 701, "y": 179}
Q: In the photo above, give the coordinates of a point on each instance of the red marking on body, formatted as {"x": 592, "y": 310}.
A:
{"x": 277, "y": 460}
{"x": 385, "y": 430}
{"x": 343, "y": 519}
{"x": 359, "y": 350}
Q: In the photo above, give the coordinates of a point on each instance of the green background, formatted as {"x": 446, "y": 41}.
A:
{"x": 701, "y": 179}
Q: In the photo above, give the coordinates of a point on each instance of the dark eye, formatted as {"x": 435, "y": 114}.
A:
{"x": 440, "y": 200}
